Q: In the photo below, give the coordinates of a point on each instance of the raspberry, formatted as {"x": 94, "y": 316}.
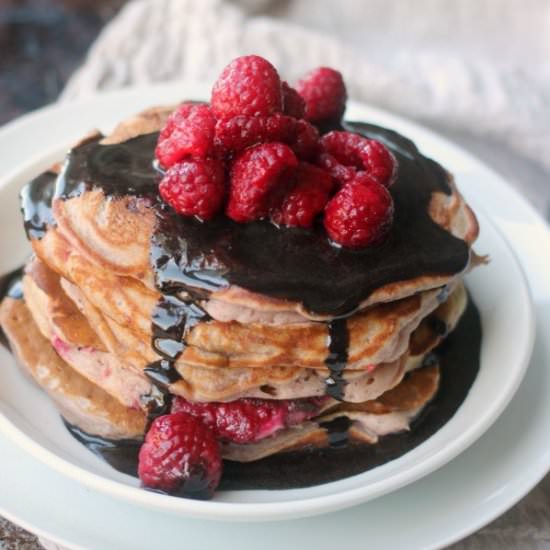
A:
{"x": 247, "y": 420}
{"x": 293, "y": 103}
{"x": 194, "y": 187}
{"x": 342, "y": 174}
{"x": 360, "y": 214}
{"x": 306, "y": 140}
{"x": 237, "y": 133}
{"x": 188, "y": 131}
{"x": 305, "y": 199}
{"x": 254, "y": 175}
{"x": 249, "y": 85}
{"x": 359, "y": 153}
{"x": 324, "y": 92}
{"x": 180, "y": 455}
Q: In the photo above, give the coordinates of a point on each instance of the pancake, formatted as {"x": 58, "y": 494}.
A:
{"x": 86, "y": 406}
{"x": 79, "y": 401}
{"x": 106, "y": 366}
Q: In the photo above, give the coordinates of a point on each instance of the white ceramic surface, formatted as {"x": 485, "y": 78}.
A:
{"x": 502, "y": 364}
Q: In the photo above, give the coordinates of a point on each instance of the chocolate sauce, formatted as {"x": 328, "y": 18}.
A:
{"x": 173, "y": 317}
{"x": 458, "y": 358}
{"x": 121, "y": 454}
{"x": 36, "y": 205}
{"x": 10, "y": 286}
{"x": 162, "y": 373}
{"x": 337, "y": 358}
{"x": 337, "y": 431}
{"x": 290, "y": 263}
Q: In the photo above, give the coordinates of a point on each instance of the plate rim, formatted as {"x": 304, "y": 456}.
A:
{"x": 259, "y": 511}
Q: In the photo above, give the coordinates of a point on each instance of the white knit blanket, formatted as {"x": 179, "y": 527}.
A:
{"x": 476, "y": 70}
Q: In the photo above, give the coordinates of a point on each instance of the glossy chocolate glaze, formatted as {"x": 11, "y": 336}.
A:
{"x": 36, "y": 205}
{"x": 458, "y": 358}
{"x": 10, "y": 286}
{"x": 337, "y": 358}
{"x": 295, "y": 264}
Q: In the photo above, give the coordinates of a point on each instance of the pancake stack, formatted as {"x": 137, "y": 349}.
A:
{"x": 126, "y": 306}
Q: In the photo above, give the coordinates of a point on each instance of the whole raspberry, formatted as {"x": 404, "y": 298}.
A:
{"x": 180, "y": 455}
{"x": 236, "y": 134}
{"x": 305, "y": 142}
{"x": 305, "y": 199}
{"x": 254, "y": 175}
{"x": 360, "y": 154}
{"x": 194, "y": 187}
{"x": 324, "y": 92}
{"x": 248, "y": 420}
{"x": 189, "y": 131}
{"x": 293, "y": 103}
{"x": 249, "y": 85}
{"x": 360, "y": 214}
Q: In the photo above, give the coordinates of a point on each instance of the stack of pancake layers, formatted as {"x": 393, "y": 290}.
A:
{"x": 95, "y": 330}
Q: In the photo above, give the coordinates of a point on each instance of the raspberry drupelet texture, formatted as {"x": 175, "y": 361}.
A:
{"x": 305, "y": 199}
{"x": 248, "y": 420}
{"x": 189, "y": 131}
{"x": 236, "y": 134}
{"x": 293, "y": 103}
{"x": 325, "y": 95}
{"x": 180, "y": 455}
{"x": 360, "y": 214}
{"x": 254, "y": 175}
{"x": 194, "y": 187}
{"x": 345, "y": 153}
{"x": 305, "y": 142}
{"x": 249, "y": 85}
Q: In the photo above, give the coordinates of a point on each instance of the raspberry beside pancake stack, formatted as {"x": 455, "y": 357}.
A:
{"x": 132, "y": 311}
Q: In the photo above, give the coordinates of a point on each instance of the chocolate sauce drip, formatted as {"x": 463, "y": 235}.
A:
{"x": 10, "y": 286}
{"x": 162, "y": 373}
{"x": 290, "y": 263}
{"x": 157, "y": 402}
{"x": 36, "y": 204}
{"x": 337, "y": 358}
{"x": 337, "y": 431}
{"x": 459, "y": 363}
{"x": 121, "y": 454}
{"x": 172, "y": 319}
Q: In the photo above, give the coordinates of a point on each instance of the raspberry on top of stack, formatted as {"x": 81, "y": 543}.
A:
{"x": 255, "y": 153}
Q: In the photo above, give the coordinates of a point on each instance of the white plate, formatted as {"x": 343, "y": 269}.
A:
{"x": 28, "y": 133}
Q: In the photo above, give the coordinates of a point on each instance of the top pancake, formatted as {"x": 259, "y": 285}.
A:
{"x": 256, "y": 272}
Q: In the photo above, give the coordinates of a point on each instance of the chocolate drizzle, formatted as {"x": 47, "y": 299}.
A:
{"x": 11, "y": 287}
{"x": 337, "y": 431}
{"x": 289, "y": 263}
{"x": 36, "y": 205}
{"x": 172, "y": 319}
{"x": 337, "y": 358}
